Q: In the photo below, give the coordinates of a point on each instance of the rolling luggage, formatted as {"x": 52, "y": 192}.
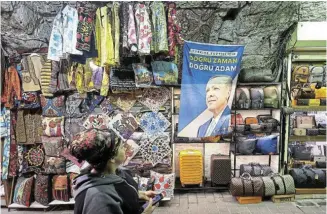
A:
{"x": 220, "y": 169}
{"x": 191, "y": 167}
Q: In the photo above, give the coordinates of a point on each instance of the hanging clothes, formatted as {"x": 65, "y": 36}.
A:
{"x": 5, "y": 113}
{"x": 174, "y": 29}
{"x": 29, "y": 78}
{"x": 12, "y": 89}
{"x": 116, "y": 30}
{"x": 38, "y": 63}
{"x": 84, "y": 29}
{"x": 97, "y": 75}
{"x": 13, "y": 159}
{"x": 104, "y": 39}
{"x": 123, "y": 13}
{"x": 144, "y": 29}
{"x": 62, "y": 84}
{"x": 63, "y": 37}
{"x": 105, "y": 82}
{"x": 48, "y": 80}
{"x": 132, "y": 41}
{"x": 159, "y": 35}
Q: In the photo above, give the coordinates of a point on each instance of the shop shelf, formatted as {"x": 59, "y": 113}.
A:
{"x": 34, "y": 205}
{"x": 258, "y": 83}
{"x": 289, "y": 110}
{"x": 57, "y": 202}
{"x": 256, "y": 109}
{"x": 256, "y": 154}
{"x": 319, "y": 138}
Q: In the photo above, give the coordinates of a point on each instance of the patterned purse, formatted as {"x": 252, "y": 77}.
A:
{"x": 42, "y": 189}
{"x": 54, "y": 107}
{"x": 73, "y": 103}
{"x": 23, "y": 191}
{"x": 53, "y": 126}
{"x": 30, "y": 100}
{"x": 54, "y": 165}
{"x": 53, "y": 146}
{"x": 35, "y": 156}
{"x": 73, "y": 126}
{"x": 60, "y": 187}
{"x": 247, "y": 186}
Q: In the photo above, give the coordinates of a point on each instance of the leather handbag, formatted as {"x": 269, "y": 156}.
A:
{"x": 256, "y": 169}
{"x": 247, "y": 186}
{"x": 256, "y": 97}
{"x": 312, "y": 132}
{"x": 245, "y": 146}
{"x": 299, "y": 132}
{"x": 300, "y": 74}
{"x": 306, "y": 177}
{"x": 243, "y": 100}
{"x": 251, "y": 120}
{"x": 268, "y": 123}
{"x": 316, "y": 74}
{"x": 305, "y": 122}
{"x": 239, "y": 119}
{"x": 271, "y": 97}
{"x": 267, "y": 145}
{"x": 301, "y": 152}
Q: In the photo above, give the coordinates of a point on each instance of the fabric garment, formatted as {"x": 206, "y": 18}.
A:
{"x": 13, "y": 159}
{"x": 123, "y": 16}
{"x": 53, "y": 107}
{"x": 174, "y": 30}
{"x": 30, "y": 100}
{"x": 159, "y": 28}
{"x": 63, "y": 37}
{"x": 132, "y": 42}
{"x": 38, "y": 62}
{"x": 48, "y": 79}
{"x": 154, "y": 98}
{"x": 20, "y": 127}
{"x": 63, "y": 84}
{"x": 23, "y": 191}
{"x": 12, "y": 88}
{"x": 33, "y": 126}
{"x": 84, "y": 29}
{"x": 124, "y": 125}
{"x": 4, "y": 122}
{"x": 30, "y": 79}
{"x": 97, "y": 75}
{"x": 143, "y": 27}
{"x": 55, "y": 68}
{"x": 5, "y": 113}
{"x": 116, "y": 30}
{"x": 104, "y": 38}
{"x": 116, "y": 194}
{"x": 105, "y": 82}
{"x": 153, "y": 124}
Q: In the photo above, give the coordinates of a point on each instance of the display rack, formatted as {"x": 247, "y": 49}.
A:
{"x": 304, "y": 55}
{"x": 271, "y": 111}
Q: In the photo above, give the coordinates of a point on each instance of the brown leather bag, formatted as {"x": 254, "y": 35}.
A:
{"x": 251, "y": 120}
{"x": 247, "y": 186}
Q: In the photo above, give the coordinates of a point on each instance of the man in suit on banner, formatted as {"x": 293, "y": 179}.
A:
{"x": 218, "y": 91}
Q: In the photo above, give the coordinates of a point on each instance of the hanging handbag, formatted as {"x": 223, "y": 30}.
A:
{"x": 299, "y": 132}
{"x": 242, "y": 128}
{"x": 259, "y": 75}
{"x": 245, "y": 146}
{"x": 256, "y": 169}
{"x": 255, "y": 128}
{"x": 305, "y": 122}
{"x": 247, "y": 186}
{"x": 322, "y": 131}
{"x": 323, "y": 102}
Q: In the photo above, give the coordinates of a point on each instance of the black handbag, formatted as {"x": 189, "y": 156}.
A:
{"x": 122, "y": 79}
{"x": 306, "y": 177}
{"x": 256, "y": 169}
{"x": 321, "y": 164}
{"x": 245, "y": 146}
{"x": 301, "y": 152}
{"x": 312, "y": 132}
{"x": 322, "y": 131}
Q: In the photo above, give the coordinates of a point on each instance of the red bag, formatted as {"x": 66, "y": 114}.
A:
{"x": 239, "y": 119}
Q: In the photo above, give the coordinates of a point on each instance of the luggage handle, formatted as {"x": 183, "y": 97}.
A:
{"x": 246, "y": 176}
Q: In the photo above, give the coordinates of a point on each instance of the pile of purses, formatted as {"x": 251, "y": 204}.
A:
{"x": 309, "y": 125}
{"x": 308, "y": 177}
{"x": 256, "y": 97}
{"x": 259, "y": 124}
{"x": 309, "y": 85}
{"x": 262, "y": 145}
{"x": 274, "y": 184}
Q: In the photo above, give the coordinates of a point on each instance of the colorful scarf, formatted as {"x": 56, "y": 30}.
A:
{"x": 132, "y": 42}
{"x": 143, "y": 28}
{"x": 159, "y": 39}
{"x": 174, "y": 29}
{"x": 84, "y": 29}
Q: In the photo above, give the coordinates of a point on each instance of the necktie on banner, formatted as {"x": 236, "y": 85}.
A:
{"x": 209, "y": 80}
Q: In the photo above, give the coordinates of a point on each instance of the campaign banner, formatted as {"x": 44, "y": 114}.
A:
{"x": 208, "y": 85}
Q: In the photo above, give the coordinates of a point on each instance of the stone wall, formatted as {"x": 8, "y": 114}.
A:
{"x": 257, "y": 25}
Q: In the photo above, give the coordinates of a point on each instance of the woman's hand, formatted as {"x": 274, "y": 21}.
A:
{"x": 146, "y": 195}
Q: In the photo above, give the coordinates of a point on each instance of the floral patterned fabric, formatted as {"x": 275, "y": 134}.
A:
{"x": 73, "y": 126}
{"x": 53, "y": 126}
{"x": 143, "y": 77}
{"x": 54, "y": 165}
{"x": 35, "y": 156}
{"x": 53, "y": 107}
{"x": 4, "y": 122}
{"x": 155, "y": 150}
{"x": 163, "y": 183}
{"x": 132, "y": 42}
{"x": 142, "y": 183}
{"x": 73, "y": 103}
{"x": 131, "y": 150}
{"x": 30, "y": 100}
{"x": 23, "y": 191}
{"x": 72, "y": 176}
{"x": 99, "y": 121}
{"x": 13, "y": 160}
{"x": 42, "y": 189}
{"x": 29, "y": 126}
{"x": 174, "y": 35}
{"x": 143, "y": 26}
{"x": 60, "y": 188}
{"x": 84, "y": 29}
{"x": 53, "y": 146}
{"x": 124, "y": 125}
{"x": 159, "y": 38}
{"x": 154, "y": 98}
{"x": 153, "y": 124}
{"x": 6, "y": 143}
{"x": 123, "y": 101}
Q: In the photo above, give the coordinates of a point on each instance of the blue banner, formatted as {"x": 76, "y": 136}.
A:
{"x": 208, "y": 85}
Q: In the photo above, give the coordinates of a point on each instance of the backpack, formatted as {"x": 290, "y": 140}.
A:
{"x": 243, "y": 100}
{"x": 301, "y": 74}
{"x": 239, "y": 119}
{"x": 257, "y": 97}
{"x": 271, "y": 97}
{"x": 317, "y": 74}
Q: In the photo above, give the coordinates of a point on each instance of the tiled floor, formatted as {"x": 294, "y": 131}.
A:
{"x": 213, "y": 203}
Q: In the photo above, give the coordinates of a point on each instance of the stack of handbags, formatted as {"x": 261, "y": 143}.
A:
{"x": 306, "y": 125}
{"x": 264, "y": 145}
{"x": 263, "y": 123}
{"x": 256, "y": 169}
{"x": 246, "y": 185}
{"x": 307, "y": 177}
